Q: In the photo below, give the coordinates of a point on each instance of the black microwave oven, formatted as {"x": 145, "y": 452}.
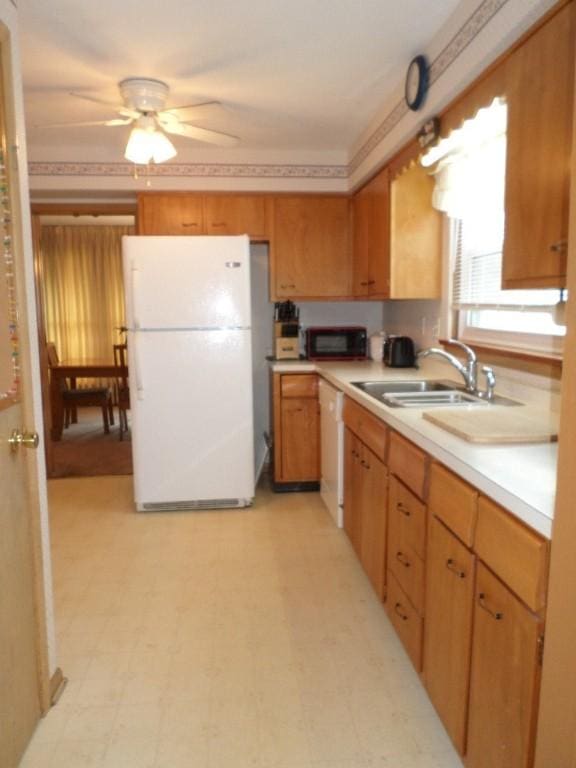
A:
{"x": 336, "y": 343}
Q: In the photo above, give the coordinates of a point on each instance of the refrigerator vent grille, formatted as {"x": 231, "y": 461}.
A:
{"x": 170, "y": 506}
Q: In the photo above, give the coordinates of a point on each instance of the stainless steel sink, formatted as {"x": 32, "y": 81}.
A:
{"x": 425, "y": 394}
{"x": 379, "y": 388}
{"x": 431, "y": 399}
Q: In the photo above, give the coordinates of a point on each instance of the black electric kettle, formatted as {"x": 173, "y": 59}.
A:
{"x": 399, "y": 352}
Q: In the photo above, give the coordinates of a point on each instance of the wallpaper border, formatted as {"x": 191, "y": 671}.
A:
{"x": 449, "y": 54}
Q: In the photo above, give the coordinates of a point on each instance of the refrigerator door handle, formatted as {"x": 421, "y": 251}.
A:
{"x": 135, "y": 320}
{"x": 137, "y": 366}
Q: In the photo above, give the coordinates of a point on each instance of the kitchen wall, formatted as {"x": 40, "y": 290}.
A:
{"x": 418, "y": 319}
{"x": 262, "y": 331}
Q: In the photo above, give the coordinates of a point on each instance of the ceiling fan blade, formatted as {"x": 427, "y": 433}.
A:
{"x": 182, "y": 111}
{"x": 95, "y": 99}
{"x": 133, "y": 114}
{"x": 113, "y": 122}
{"x": 201, "y": 134}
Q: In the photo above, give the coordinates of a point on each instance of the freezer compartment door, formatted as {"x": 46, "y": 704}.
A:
{"x": 192, "y": 424}
{"x": 187, "y": 282}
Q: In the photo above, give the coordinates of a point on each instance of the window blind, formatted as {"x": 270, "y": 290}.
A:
{"x": 476, "y": 279}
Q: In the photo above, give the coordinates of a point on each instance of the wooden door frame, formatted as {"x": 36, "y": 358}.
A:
{"x": 60, "y": 209}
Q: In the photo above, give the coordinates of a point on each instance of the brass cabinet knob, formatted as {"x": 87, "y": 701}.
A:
{"x": 23, "y": 437}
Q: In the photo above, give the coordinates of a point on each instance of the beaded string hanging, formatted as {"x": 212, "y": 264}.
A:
{"x": 8, "y": 261}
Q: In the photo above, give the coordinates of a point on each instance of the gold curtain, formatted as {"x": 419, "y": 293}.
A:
{"x": 83, "y": 288}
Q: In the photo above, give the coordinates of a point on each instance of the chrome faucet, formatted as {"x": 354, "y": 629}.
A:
{"x": 469, "y": 371}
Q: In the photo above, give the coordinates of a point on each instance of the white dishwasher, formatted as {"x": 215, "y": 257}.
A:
{"x": 332, "y": 450}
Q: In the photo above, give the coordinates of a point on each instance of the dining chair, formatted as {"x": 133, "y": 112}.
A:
{"x": 122, "y": 388}
{"x": 73, "y": 398}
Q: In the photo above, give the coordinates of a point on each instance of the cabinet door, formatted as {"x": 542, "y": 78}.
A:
{"x": 170, "y": 214}
{"x": 379, "y": 236}
{"x": 361, "y": 206}
{"x": 311, "y": 255}
{"x": 352, "y": 489}
{"x": 236, "y": 215}
{"x": 300, "y": 439}
{"x": 539, "y": 87}
{"x": 374, "y": 480}
{"x": 415, "y": 237}
{"x": 505, "y": 678}
{"x": 448, "y": 628}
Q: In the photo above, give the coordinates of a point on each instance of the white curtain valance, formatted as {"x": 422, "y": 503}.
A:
{"x": 467, "y": 164}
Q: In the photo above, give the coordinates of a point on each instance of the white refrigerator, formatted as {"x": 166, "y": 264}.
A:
{"x": 190, "y": 371}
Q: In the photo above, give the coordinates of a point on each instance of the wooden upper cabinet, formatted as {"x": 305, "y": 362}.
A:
{"x": 372, "y": 239}
{"x": 310, "y": 247}
{"x": 174, "y": 213}
{"x": 170, "y": 214}
{"x": 539, "y": 93}
{"x": 236, "y": 215}
{"x": 361, "y": 208}
{"x": 415, "y": 236}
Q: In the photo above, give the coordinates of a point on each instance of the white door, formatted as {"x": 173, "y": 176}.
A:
{"x": 23, "y": 683}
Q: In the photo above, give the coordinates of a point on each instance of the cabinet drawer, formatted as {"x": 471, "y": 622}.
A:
{"x": 299, "y": 385}
{"x": 406, "y": 621}
{"x": 516, "y": 554}
{"x": 405, "y": 563}
{"x": 368, "y": 427}
{"x": 454, "y": 502}
{"x": 409, "y": 463}
{"x": 409, "y": 515}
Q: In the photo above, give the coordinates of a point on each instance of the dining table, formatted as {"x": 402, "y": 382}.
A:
{"x": 70, "y": 371}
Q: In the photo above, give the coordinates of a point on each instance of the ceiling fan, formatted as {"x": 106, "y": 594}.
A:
{"x": 144, "y": 107}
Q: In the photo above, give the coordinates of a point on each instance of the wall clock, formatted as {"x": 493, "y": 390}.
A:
{"x": 416, "y": 86}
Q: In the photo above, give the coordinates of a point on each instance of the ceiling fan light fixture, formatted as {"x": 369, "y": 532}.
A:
{"x": 146, "y": 144}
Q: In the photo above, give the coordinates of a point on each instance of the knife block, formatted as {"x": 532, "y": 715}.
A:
{"x": 286, "y": 341}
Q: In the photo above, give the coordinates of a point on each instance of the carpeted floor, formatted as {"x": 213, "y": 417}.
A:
{"x": 85, "y": 450}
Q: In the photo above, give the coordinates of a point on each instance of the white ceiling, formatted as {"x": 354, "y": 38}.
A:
{"x": 303, "y": 75}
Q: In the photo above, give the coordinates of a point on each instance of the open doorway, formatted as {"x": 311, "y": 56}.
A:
{"x": 80, "y": 296}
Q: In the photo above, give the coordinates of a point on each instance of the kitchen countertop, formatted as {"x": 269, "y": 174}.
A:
{"x": 522, "y": 478}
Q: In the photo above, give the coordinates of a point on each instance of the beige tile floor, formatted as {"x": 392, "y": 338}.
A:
{"x": 225, "y": 639}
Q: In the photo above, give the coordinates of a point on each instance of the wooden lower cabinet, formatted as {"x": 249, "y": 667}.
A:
{"x": 450, "y": 572}
{"x": 406, "y": 620}
{"x": 373, "y": 528}
{"x": 365, "y": 508}
{"x": 505, "y": 679}
{"x": 300, "y": 449}
{"x": 353, "y": 489}
{"x": 473, "y": 635}
{"x": 296, "y": 417}
{"x": 406, "y": 534}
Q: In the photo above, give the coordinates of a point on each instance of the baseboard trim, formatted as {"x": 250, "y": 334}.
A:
{"x": 57, "y": 684}
{"x": 312, "y": 485}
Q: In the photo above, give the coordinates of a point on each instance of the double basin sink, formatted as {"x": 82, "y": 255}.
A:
{"x": 425, "y": 394}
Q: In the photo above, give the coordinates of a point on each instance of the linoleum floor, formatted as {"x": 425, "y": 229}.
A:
{"x": 223, "y": 639}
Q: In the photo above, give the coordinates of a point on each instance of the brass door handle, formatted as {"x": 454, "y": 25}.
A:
{"x": 23, "y": 437}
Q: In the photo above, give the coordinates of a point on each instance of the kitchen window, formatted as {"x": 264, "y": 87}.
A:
{"x": 469, "y": 167}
